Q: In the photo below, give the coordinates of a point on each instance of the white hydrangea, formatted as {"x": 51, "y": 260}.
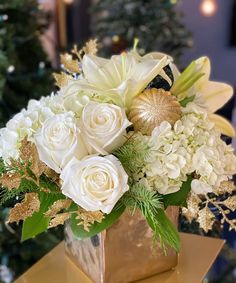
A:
{"x": 26, "y": 123}
{"x": 192, "y": 145}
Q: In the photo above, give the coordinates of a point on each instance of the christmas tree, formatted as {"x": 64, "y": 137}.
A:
{"x": 156, "y": 23}
{"x": 24, "y": 74}
{"x": 23, "y": 62}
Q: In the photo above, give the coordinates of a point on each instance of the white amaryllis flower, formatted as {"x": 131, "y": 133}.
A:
{"x": 122, "y": 77}
{"x": 95, "y": 183}
{"x": 103, "y": 127}
{"x": 213, "y": 95}
{"x": 59, "y": 140}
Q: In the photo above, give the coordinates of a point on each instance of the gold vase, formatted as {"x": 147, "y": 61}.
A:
{"x": 123, "y": 253}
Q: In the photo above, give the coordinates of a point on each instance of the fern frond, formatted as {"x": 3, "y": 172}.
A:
{"x": 133, "y": 154}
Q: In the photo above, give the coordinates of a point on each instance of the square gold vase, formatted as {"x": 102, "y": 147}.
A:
{"x": 123, "y": 253}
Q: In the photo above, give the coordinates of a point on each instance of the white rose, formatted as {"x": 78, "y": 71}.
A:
{"x": 103, "y": 127}
{"x": 95, "y": 183}
{"x": 59, "y": 140}
{"x": 73, "y": 98}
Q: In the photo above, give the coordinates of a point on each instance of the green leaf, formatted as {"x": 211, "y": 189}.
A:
{"x": 179, "y": 198}
{"x": 187, "y": 79}
{"x": 164, "y": 229}
{"x": 96, "y": 228}
{"x": 38, "y": 223}
{"x": 186, "y": 100}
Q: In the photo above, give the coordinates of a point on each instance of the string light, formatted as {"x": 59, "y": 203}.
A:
{"x": 11, "y": 69}
{"x": 42, "y": 65}
{"x": 115, "y": 38}
{"x": 3, "y": 18}
{"x": 208, "y": 7}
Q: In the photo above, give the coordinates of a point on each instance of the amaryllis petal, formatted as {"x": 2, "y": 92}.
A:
{"x": 143, "y": 74}
{"x": 215, "y": 94}
{"x": 223, "y": 125}
{"x": 203, "y": 64}
{"x": 122, "y": 77}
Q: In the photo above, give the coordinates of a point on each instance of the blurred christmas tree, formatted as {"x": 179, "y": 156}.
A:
{"x": 17, "y": 257}
{"x": 156, "y": 23}
{"x": 24, "y": 74}
{"x": 23, "y": 63}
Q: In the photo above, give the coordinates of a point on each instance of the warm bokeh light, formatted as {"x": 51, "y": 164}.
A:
{"x": 208, "y": 7}
{"x": 68, "y": 1}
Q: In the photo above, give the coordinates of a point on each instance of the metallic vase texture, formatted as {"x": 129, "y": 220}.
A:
{"x": 123, "y": 253}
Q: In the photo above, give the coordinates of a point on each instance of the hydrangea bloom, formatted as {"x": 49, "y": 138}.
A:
{"x": 26, "y": 123}
{"x": 193, "y": 145}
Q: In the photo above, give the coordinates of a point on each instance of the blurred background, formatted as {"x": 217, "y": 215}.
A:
{"x": 33, "y": 34}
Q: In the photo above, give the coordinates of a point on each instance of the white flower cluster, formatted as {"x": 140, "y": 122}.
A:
{"x": 68, "y": 126}
{"x": 88, "y": 118}
{"x": 30, "y": 120}
{"x": 193, "y": 145}
{"x": 26, "y": 123}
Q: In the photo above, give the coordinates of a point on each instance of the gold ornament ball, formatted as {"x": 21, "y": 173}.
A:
{"x": 152, "y": 107}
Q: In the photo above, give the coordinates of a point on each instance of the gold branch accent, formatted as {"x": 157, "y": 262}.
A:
{"x": 225, "y": 187}
{"x": 206, "y": 219}
{"x": 57, "y": 207}
{"x": 223, "y": 212}
{"x": 230, "y": 203}
{"x": 62, "y": 79}
{"x": 69, "y": 63}
{"x": 59, "y": 219}
{"x": 10, "y": 180}
{"x": 91, "y": 47}
{"x": 87, "y": 218}
{"x": 191, "y": 212}
{"x": 25, "y": 209}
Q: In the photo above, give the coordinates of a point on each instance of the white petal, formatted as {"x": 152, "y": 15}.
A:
{"x": 200, "y": 187}
{"x": 215, "y": 94}
{"x": 224, "y": 125}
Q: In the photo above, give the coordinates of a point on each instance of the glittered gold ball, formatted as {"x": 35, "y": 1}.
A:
{"x": 152, "y": 107}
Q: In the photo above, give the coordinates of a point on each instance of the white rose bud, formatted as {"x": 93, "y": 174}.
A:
{"x": 95, "y": 183}
{"x": 103, "y": 127}
{"x": 59, "y": 140}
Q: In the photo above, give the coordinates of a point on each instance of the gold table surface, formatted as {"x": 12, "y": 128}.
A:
{"x": 196, "y": 257}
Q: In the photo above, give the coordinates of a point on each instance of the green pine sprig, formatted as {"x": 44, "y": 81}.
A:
{"x": 133, "y": 154}
{"x": 26, "y": 186}
{"x": 140, "y": 197}
{"x": 150, "y": 204}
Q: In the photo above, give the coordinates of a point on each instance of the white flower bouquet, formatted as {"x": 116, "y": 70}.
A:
{"x": 126, "y": 133}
